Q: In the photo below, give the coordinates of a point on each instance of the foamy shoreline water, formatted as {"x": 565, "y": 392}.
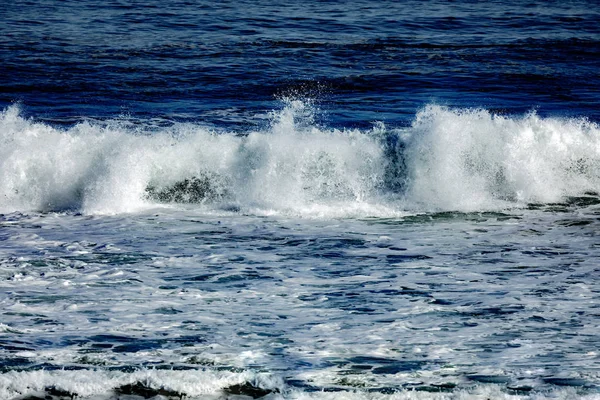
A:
{"x": 380, "y": 304}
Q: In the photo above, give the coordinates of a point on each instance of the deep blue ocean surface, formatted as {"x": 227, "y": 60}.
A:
{"x": 300, "y": 200}
{"x": 362, "y": 61}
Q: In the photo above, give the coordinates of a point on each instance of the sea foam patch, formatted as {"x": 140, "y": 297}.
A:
{"x": 207, "y": 384}
{"x": 144, "y": 383}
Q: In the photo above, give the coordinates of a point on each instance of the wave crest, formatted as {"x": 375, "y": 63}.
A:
{"x": 472, "y": 159}
{"x": 448, "y": 159}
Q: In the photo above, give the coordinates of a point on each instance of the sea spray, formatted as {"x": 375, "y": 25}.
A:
{"x": 448, "y": 159}
{"x": 474, "y": 160}
{"x": 108, "y": 169}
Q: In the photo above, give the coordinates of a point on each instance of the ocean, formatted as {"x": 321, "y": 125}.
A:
{"x": 340, "y": 200}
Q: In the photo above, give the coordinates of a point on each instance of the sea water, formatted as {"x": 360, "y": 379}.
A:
{"x": 326, "y": 200}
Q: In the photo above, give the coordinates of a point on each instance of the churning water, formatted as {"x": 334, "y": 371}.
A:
{"x": 374, "y": 200}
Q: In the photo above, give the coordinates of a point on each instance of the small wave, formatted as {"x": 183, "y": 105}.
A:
{"x": 144, "y": 383}
{"x": 202, "y": 384}
{"x": 448, "y": 159}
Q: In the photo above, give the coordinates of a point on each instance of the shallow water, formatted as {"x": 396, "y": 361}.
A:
{"x": 447, "y": 301}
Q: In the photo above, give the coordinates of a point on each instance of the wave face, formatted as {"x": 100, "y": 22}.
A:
{"x": 448, "y": 159}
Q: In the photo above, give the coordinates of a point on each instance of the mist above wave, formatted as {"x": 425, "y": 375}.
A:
{"x": 448, "y": 159}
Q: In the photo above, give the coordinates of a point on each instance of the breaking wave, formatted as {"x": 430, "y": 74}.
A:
{"x": 448, "y": 159}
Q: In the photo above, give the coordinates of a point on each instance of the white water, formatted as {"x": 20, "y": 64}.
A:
{"x": 472, "y": 160}
{"x": 448, "y": 159}
{"x": 206, "y": 384}
{"x": 99, "y": 383}
{"x": 233, "y": 298}
{"x": 294, "y": 304}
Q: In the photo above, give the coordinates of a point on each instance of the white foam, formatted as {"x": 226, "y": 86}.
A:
{"x": 447, "y": 160}
{"x": 89, "y": 383}
{"x": 480, "y": 392}
{"x": 194, "y": 384}
{"x": 473, "y": 160}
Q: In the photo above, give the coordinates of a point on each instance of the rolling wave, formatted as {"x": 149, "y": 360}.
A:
{"x": 448, "y": 159}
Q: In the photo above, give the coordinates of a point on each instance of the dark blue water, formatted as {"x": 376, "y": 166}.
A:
{"x": 228, "y": 64}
